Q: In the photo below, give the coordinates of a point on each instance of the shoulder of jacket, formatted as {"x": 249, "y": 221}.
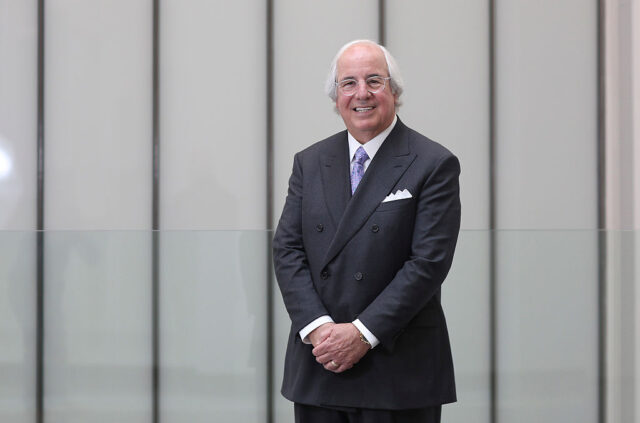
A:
{"x": 426, "y": 147}
{"x": 328, "y": 144}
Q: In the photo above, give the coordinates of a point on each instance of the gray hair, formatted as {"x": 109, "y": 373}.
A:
{"x": 396, "y": 83}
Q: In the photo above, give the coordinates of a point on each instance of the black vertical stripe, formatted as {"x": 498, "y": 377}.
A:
{"x": 601, "y": 194}
{"x": 155, "y": 221}
{"x": 270, "y": 331}
{"x": 39, "y": 406}
{"x": 382, "y": 35}
{"x": 493, "y": 303}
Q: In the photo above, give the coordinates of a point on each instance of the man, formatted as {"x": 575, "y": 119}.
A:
{"x": 364, "y": 242}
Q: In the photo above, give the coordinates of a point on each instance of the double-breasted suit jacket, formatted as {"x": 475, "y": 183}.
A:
{"x": 357, "y": 257}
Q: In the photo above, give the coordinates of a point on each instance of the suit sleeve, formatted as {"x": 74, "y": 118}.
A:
{"x": 290, "y": 260}
{"x": 435, "y": 234}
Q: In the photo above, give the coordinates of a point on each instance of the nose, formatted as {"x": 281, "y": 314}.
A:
{"x": 362, "y": 91}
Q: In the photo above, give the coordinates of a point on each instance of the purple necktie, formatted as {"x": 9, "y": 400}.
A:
{"x": 358, "y": 168}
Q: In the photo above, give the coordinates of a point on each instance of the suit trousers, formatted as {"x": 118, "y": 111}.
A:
{"x": 312, "y": 414}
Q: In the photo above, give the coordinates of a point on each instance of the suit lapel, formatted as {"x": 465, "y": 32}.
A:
{"x": 388, "y": 165}
{"x": 334, "y": 165}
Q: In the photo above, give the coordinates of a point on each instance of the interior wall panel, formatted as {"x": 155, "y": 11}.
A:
{"x": 306, "y": 37}
{"x": 18, "y": 146}
{"x": 98, "y": 114}
{"x": 442, "y": 49}
{"x": 212, "y": 114}
{"x": 546, "y": 114}
{"x": 97, "y": 363}
{"x": 635, "y": 69}
{"x": 18, "y": 114}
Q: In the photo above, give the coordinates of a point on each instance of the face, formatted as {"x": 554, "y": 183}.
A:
{"x": 365, "y": 114}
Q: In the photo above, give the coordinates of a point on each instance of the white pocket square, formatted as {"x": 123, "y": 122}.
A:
{"x": 399, "y": 195}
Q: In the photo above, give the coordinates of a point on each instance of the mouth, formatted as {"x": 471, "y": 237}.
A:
{"x": 363, "y": 109}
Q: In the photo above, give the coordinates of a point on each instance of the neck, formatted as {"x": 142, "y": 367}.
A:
{"x": 365, "y": 137}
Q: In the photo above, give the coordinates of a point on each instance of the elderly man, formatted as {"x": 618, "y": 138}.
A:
{"x": 365, "y": 240}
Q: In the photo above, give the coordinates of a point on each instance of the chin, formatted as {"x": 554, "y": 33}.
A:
{"x": 371, "y": 126}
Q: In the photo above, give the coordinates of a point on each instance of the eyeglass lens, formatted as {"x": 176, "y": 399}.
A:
{"x": 374, "y": 84}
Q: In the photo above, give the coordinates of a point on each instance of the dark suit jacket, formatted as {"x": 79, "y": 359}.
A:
{"x": 357, "y": 257}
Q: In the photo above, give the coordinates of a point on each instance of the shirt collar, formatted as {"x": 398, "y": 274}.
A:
{"x": 373, "y": 145}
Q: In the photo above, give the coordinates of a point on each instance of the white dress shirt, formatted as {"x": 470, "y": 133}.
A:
{"x": 371, "y": 147}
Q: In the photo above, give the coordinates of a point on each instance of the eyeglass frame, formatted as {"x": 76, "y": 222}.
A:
{"x": 384, "y": 84}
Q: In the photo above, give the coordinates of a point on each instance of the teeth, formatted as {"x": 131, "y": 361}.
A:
{"x": 363, "y": 109}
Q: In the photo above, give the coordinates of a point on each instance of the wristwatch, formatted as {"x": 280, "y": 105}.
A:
{"x": 363, "y": 339}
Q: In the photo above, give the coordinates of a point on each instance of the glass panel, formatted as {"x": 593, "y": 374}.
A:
{"x": 283, "y": 408}
{"x": 635, "y": 282}
{"x": 97, "y": 315}
{"x": 466, "y": 301}
{"x": 17, "y": 326}
{"x": 547, "y": 317}
{"x": 623, "y": 320}
{"x": 213, "y": 326}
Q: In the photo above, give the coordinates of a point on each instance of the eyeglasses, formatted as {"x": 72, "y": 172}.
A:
{"x": 374, "y": 84}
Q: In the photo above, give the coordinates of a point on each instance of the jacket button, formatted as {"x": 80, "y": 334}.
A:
{"x": 324, "y": 274}
{"x": 358, "y": 276}
{"x": 319, "y": 227}
{"x": 375, "y": 228}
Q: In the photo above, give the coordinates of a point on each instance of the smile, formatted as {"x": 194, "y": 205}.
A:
{"x": 363, "y": 109}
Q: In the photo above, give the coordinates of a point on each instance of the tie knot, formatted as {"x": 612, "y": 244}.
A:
{"x": 361, "y": 156}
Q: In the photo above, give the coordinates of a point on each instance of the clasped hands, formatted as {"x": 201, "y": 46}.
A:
{"x": 337, "y": 346}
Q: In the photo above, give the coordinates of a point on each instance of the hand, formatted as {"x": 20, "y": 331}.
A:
{"x": 341, "y": 349}
{"x": 320, "y": 333}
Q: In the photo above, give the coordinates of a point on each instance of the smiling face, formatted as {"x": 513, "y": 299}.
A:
{"x": 365, "y": 114}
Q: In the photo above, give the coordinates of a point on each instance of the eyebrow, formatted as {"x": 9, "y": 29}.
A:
{"x": 353, "y": 77}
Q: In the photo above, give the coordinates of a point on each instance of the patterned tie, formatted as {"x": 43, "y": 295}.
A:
{"x": 358, "y": 168}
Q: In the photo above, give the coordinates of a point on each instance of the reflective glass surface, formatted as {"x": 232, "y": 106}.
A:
{"x": 213, "y": 321}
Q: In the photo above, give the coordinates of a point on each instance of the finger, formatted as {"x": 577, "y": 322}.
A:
{"x": 322, "y": 348}
{"x": 320, "y": 337}
{"x": 325, "y": 358}
{"x": 342, "y": 368}
{"x": 332, "y": 366}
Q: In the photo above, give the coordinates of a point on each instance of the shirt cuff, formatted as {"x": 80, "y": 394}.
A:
{"x": 365, "y": 332}
{"x": 312, "y": 326}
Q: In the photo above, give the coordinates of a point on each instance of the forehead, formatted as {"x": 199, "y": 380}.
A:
{"x": 361, "y": 60}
